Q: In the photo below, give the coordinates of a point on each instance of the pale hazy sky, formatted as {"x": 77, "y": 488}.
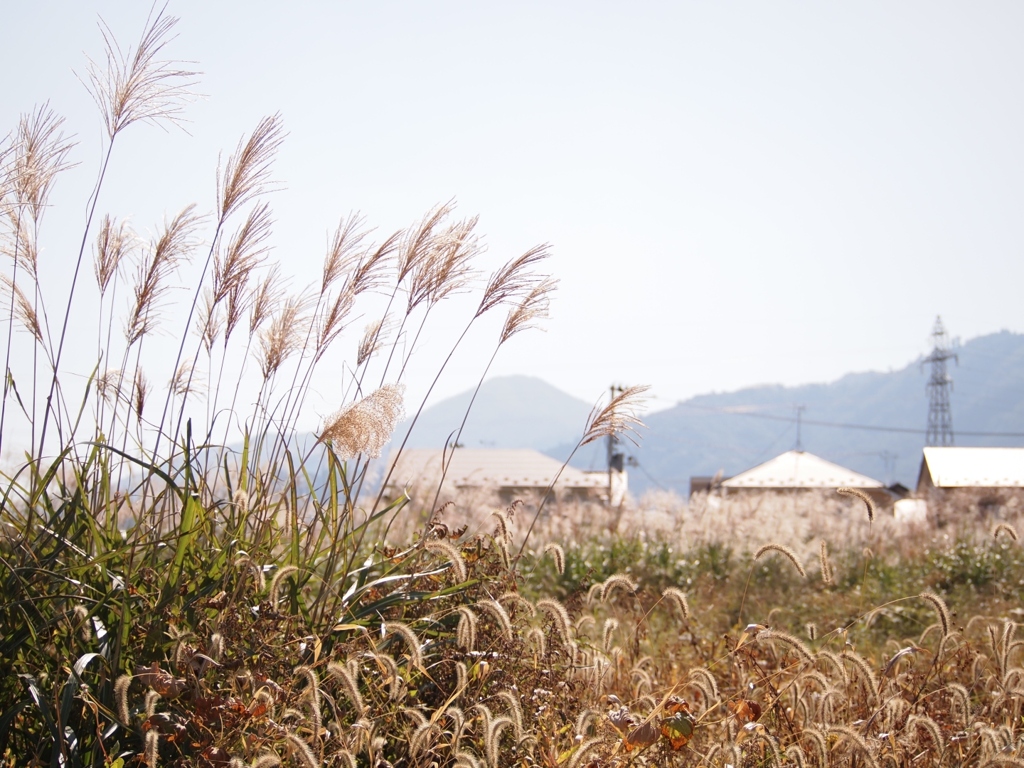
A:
{"x": 735, "y": 193}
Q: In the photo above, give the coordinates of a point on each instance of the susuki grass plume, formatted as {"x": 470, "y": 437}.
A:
{"x": 364, "y": 427}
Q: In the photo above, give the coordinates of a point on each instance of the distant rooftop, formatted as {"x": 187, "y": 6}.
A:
{"x": 973, "y": 467}
{"x": 799, "y": 469}
{"x": 484, "y": 467}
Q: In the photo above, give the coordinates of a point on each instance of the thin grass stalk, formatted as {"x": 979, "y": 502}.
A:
{"x": 8, "y": 377}
{"x": 91, "y": 203}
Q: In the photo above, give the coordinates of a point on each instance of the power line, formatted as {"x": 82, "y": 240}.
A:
{"x": 842, "y": 425}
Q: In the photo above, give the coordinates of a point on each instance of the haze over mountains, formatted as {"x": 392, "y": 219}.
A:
{"x": 734, "y": 431}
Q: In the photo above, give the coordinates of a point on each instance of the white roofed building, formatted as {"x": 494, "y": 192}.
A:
{"x": 949, "y": 467}
{"x": 511, "y": 473}
{"x": 803, "y": 471}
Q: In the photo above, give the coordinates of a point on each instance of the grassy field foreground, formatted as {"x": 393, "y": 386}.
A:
{"x": 188, "y": 581}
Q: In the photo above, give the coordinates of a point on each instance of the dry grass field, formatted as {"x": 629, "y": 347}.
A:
{"x": 188, "y": 582}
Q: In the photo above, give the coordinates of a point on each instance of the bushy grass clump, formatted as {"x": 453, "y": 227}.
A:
{"x": 188, "y": 582}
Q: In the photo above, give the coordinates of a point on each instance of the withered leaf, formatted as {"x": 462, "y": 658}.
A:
{"x": 745, "y": 710}
{"x": 164, "y": 683}
{"x": 678, "y": 729}
{"x": 642, "y": 736}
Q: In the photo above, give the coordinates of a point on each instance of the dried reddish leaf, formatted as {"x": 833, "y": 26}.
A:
{"x": 164, "y": 683}
{"x": 678, "y": 729}
{"x": 677, "y": 704}
{"x": 745, "y": 710}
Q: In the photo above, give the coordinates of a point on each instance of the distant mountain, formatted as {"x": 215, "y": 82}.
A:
{"x": 737, "y": 430}
{"x": 509, "y": 412}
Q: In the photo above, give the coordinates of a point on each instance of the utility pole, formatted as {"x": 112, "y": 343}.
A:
{"x": 889, "y": 462}
{"x": 940, "y": 385}
{"x": 799, "y": 423}
{"x": 616, "y": 459}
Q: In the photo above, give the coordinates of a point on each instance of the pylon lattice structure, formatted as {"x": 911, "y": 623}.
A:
{"x": 940, "y": 385}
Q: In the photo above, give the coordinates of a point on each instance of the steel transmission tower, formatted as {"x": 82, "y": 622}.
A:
{"x": 940, "y": 385}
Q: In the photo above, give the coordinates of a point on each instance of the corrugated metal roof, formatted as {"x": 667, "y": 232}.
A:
{"x": 975, "y": 467}
{"x": 799, "y": 469}
{"x": 487, "y": 467}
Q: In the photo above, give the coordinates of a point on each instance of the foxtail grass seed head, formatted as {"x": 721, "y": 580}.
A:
{"x": 1005, "y": 528}
{"x": 557, "y": 555}
{"x": 501, "y": 617}
{"x": 793, "y": 643}
{"x": 152, "y": 748}
{"x": 559, "y": 617}
{"x": 275, "y": 582}
{"x": 152, "y": 699}
{"x": 411, "y": 640}
{"x": 266, "y": 761}
{"x": 610, "y": 625}
{"x": 868, "y": 503}
{"x": 451, "y": 553}
{"x": 466, "y": 634}
{"x": 940, "y": 608}
{"x": 520, "y": 603}
{"x": 677, "y": 598}
{"x": 364, "y": 427}
{"x": 618, "y": 581}
{"x": 300, "y": 749}
{"x": 827, "y": 575}
{"x": 536, "y": 636}
{"x": 786, "y": 552}
{"x": 349, "y": 684}
{"x": 121, "y": 697}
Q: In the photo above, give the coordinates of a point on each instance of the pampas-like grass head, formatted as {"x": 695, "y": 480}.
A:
{"x": 137, "y": 85}
{"x": 364, "y": 427}
{"x": 617, "y": 418}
